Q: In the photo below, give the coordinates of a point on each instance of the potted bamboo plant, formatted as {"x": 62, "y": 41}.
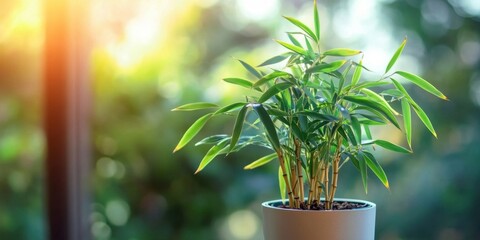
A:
{"x": 315, "y": 113}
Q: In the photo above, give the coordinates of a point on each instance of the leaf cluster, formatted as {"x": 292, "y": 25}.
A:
{"x": 315, "y": 114}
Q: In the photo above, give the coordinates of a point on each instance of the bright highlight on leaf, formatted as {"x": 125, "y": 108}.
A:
{"x": 294, "y": 48}
{"x": 195, "y": 106}
{"x": 211, "y": 154}
{"x": 422, "y": 83}
{"x": 192, "y": 131}
{"x": 396, "y": 55}
{"x": 342, "y": 52}
{"x": 261, "y": 161}
{"x": 326, "y": 67}
{"x": 302, "y": 26}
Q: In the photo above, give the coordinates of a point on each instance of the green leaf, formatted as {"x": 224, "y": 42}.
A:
{"x": 302, "y": 26}
{"x": 211, "y": 154}
{"x": 350, "y": 134}
{"x": 237, "y": 129}
{"x": 357, "y": 73}
{"x": 294, "y": 40}
{"x": 316, "y": 19}
{"x": 239, "y": 81}
{"x": 373, "y": 164}
{"x": 195, "y": 106}
{"x": 390, "y": 146}
{"x": 418, "y": 110}
{"x": 342, "y": 52}
{"x": 375, "y": 106}
{"x": 401, "y": 89}
{"x": 422, "y": 83}
{"x": 269, "y": 77}
{"x": 272, "y": 91}
{"x": 282, "y": 185}
{"x": 423, "y": 116}
{"x": 393, "y": 93}
{"x": 363, "y": 171}
{"x": 229, "y": 108}
{"x": 357, "y": 128}
{"x": 275, "y": 59}
{"x": 326, "y": 67}
{"x": 268, "y": 124}
{"x": 192, "y": 131}
{"x": 294, "y": 48}
{"x": 407, "y": 120}
{"x": 250, "y": 69}
{"x": 374, "y": 96}
{"x": 317, "y": 115}
{"x": 261, "y": 161}
{"x": 212, "y": 139}
{"x": 367, "y": 131}
{"x": 396, "y": 55}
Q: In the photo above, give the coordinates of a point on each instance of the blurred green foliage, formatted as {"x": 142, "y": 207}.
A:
{"x": 143, "y": 191}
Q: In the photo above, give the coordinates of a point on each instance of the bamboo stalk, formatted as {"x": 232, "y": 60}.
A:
{"x": 299, "y": 168}
{"x": 294, "y": 181}
{"x": 285, "y": 176}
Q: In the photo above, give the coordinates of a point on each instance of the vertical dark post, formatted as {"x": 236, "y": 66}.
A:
{"x": 66, "y": 119}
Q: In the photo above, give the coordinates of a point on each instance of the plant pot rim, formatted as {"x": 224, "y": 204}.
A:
{"x": 271, "y": 204}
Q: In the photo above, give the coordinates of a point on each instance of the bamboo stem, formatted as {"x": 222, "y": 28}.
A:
{"x": 285, "y": 176}
{"x": 298, "y": 152}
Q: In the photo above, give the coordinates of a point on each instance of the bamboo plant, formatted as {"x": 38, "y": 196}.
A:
{"x": 315, "y": 114}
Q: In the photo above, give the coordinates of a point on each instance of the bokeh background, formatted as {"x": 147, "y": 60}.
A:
{"x": 149, "y": 56}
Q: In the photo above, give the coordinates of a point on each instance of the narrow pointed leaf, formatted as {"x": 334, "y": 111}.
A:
{"x": 294, "y": 48}
{"x": 350, "y": 135}
{"x": 357, "y": 73}
{"x": 237, "y": 129}
{"x": 393, "y": 93}
{"x": 407, "y": 120}
{"x": 294, "y": 40}
{"x": 368, "y": 133}
{"x": 269, "y": 77}
{"x": 375, "y": 106}
{"x": 423, "y": 116}
{"x": 302, "y": 26}
{"x": 396, "y": 55}
{"x": 273, "y": 91}
{"x": 261, "y": 161}
{"x": 229, "y": 108}
{"x": 390, "y": 146}
{"x": 326, "y": 67}
{"x": 239, "y": 81}
{"x": 275, "y": 59}
{"x": 192, "y": 131}
{"x": 212, "y": 139}
{"x": 316, "y": 19}
{"x": 317, "y": 115}
{"x": 374, "y": 96}
{"x": 211, "y": 154}
{"x": 357, "y": 128}
{"x": 342, "y": 52}
{"x": 373, "y": 164}
{"x": 418, "y": 110}
{"x": 195, "y": 106}
{"x": 268, "y": 125}
{"x": 309, "y": 46}
{"x": 362, "y": 167}
{"x": 422, "y": 83}
{"x": 250, "y": 69}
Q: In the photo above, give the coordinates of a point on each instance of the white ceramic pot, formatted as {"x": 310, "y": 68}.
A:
{"x": 293, "y": 224}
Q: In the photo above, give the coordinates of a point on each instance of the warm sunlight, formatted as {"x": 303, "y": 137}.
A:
{"x": 130, "y": 30}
